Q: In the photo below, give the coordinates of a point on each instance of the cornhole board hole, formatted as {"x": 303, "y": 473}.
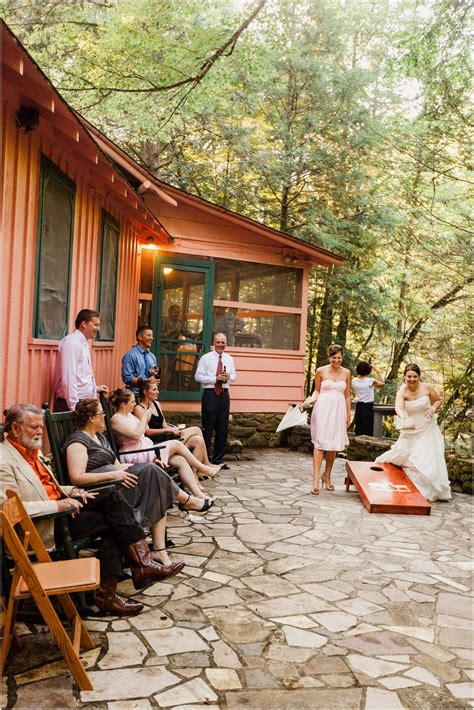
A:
{"x": 385, "y": 488}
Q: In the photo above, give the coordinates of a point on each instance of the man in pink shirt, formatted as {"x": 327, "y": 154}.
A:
{"x": 74, "y": 377}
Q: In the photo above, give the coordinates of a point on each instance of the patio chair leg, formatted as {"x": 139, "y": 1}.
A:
{"x": 8, "y": 629}
{"x": 72, "y": 613}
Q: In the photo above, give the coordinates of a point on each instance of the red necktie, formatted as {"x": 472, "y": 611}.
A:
{"x": 218, "y": 385}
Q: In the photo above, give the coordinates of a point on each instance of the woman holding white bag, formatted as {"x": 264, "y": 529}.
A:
{"x": 331, "y": 415}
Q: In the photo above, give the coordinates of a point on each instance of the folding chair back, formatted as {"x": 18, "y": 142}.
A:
{"x": 108, "y": 426}
{"x": 59, "y": 426}
{"x": 43, "y": 580}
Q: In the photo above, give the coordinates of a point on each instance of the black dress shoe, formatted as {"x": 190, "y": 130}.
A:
{"x": 225, "y": 467}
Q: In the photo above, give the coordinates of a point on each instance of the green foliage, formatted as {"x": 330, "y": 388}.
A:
{"x": 343, "y": 122}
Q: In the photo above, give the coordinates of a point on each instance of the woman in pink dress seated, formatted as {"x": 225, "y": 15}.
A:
{"x": 130, "y": 434}
{"x": 331, "y": 415}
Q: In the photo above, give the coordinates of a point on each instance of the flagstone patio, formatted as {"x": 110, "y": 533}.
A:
{"x": 287, "y": 600}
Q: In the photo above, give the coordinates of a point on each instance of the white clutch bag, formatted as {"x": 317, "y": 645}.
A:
{"x": 403, "y": 424}
{"x": 293, "y": 417}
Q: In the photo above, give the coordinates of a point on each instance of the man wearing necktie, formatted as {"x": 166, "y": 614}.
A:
{"x": 216, "y": 370}
{"x": 138, "y": 363}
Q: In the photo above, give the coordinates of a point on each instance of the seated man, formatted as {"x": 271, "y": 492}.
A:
{"x": 24, "y": 470}
{"x": 139, "y": 364}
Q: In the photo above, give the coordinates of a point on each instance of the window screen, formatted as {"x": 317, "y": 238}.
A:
{"x": 108, "y": 276}
{"x": 54, "y": 248}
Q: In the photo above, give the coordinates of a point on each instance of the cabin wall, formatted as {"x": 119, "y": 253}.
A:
{"x": 27, "y": 362}
{"x": 267, "y": 380}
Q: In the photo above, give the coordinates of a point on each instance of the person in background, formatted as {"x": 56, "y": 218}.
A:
{"x": 74, "y": 377}
{"x": 363, "y": 386}
{"x": 331, "y": 416}
{"x": 139, "y": 363}
{"x": 215, "y": 372}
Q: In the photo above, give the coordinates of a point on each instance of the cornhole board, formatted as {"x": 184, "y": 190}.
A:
{"x": 385, "y": 488}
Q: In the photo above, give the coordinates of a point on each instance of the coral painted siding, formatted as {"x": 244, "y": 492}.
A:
{"x": 28, "y": 363}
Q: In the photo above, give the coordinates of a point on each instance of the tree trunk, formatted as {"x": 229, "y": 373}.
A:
{"x": 311, "y": 346}
{"x": 343, "y": 325}
{"x": 325, "y": 327}
{"x": 284, "y": 208}
{"x": 403, "y": 348}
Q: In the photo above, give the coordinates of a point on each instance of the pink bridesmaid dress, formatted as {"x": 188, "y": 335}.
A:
{"x": 328, "y": 420}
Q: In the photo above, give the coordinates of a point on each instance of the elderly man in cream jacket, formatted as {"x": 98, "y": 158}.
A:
{"x": 24, "y": 470}
{"x": 19, "y": 464}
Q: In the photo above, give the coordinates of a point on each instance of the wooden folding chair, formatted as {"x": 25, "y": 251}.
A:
{"x": 42, "y": 580}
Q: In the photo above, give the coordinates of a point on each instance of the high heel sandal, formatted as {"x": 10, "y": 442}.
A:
{"x": 207, "y": 503}
{"x": 213, "y": 475}
{"x": 314, "y": 491}
{"x": 329, "y": 486}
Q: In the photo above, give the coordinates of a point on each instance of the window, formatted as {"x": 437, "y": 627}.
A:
{"x": 258, "y": 305}
{"x": 109, "y": 248}
{"x": 54, "y": 251}
{"x": 258, "y": 283}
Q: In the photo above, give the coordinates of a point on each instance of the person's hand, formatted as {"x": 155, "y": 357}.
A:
{"x": 129, "y": 480}
{"x": 83, "y": 495}
{"x": 66, "y": 503}
{"x": 430, "y": 412}
{"x": 348, "y": 421}
{"x": 102, "y": 388}
{"x": 301, "y": 407}
{"x": 147, "y": 415}
{"x": 222, "y": 377}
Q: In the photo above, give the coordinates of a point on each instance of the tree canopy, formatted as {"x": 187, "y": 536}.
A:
{"x": 342, "y": 122}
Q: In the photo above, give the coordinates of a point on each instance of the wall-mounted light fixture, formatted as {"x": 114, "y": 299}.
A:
{"x": 150, "y": 243}
{"x": 290, "y": 258}
{"x": 27, "y": 118}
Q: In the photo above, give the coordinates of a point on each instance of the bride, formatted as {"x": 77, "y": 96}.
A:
{"x": 420, "y": 447}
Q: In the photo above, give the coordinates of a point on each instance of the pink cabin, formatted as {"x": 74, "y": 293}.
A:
{"x": 85, "y": 226}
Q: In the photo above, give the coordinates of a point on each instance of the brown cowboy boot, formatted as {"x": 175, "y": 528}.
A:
{"x": 145, "y": 571}
{"x": 106, "y": 599}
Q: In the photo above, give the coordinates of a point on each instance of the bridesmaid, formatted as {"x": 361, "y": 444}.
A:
{"x": 331, "y": 415}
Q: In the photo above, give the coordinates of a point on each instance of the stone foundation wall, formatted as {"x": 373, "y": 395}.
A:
{"x": 257, "y": 431}
{"x": 367, "y": 448}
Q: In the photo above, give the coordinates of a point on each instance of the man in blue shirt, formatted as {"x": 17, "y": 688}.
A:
{"x": 138, "y": 363}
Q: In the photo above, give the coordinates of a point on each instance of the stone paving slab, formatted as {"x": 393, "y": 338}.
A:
{"x": 287, "y": 600}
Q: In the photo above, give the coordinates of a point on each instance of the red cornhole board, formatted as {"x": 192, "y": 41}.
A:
{"x": 385, "y": 488}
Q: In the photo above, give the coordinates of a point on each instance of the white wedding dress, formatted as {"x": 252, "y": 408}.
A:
{"x": 420, "y": 452}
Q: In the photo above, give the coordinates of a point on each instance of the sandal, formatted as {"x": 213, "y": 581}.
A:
{"x": 207, "y": 503}
{"x": 329, "y": 486}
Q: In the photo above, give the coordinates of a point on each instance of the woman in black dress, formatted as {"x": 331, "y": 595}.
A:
{"x": 148, "y": 489}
